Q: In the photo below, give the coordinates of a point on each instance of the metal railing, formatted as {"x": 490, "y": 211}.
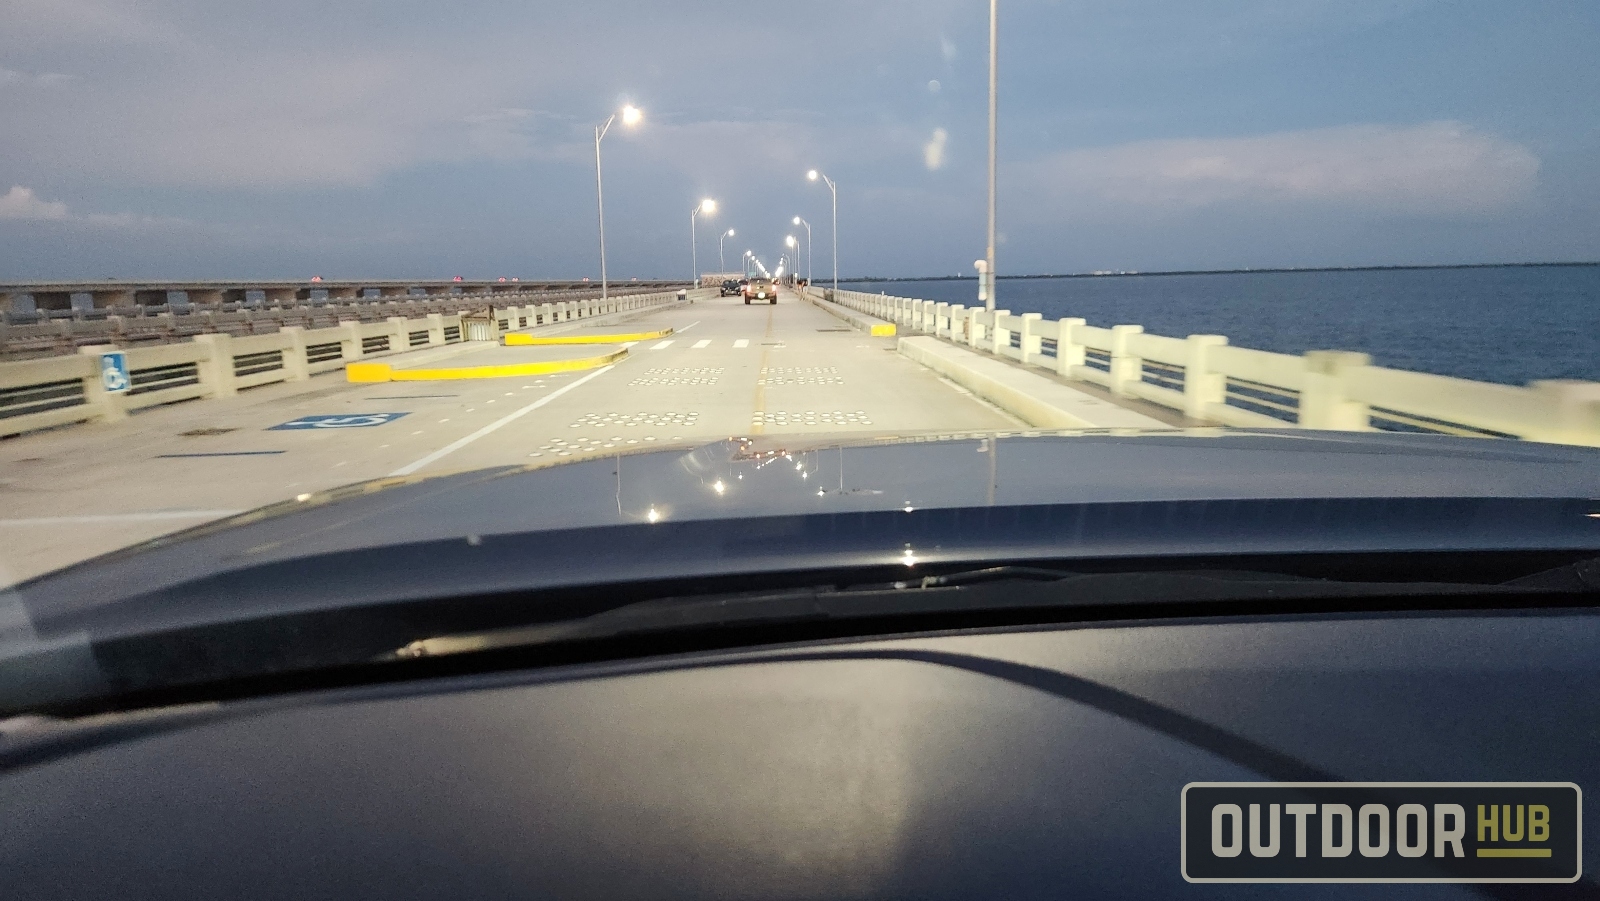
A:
{"x": 1209, "y": 380}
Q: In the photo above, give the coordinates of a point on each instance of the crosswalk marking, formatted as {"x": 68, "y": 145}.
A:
{"x": 742, "y": 342}
{"x": 702, "y": 344}
{"x": 663, "y": 345}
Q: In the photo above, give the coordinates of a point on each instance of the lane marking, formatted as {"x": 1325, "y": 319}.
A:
{"x": 702, "y": 344}
{"x": 689, "y": 326}
{"x": 449, "y": 449}
{"x": 742, "y": 342}
{"x": 662, "y": 346}
{"x": 120, "y": 517}
{"x": 220, "y": 454}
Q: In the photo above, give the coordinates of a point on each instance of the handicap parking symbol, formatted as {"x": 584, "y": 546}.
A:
{"x": 114, "y": 373}
{"x": 346, "y": 421}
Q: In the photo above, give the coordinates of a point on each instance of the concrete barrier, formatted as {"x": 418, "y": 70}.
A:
{"x": 1034, "y": 399}
{"x": 1208, "y": 379}
{"x": 877, "y": 328}
{"x": 55, "y": 391}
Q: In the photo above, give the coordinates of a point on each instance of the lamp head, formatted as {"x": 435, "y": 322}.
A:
{"x": 708, "y": 206}
{"x": 797, "y": 220}
{"x": 812, "y": 175}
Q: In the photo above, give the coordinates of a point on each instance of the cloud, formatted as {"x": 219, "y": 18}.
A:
{"x": 22, "y": 203}
{"x": 1436, "y": 168}
{"x": 933, "y": 151}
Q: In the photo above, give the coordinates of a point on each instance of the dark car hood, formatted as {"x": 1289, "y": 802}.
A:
{"x": 743, "y": 506}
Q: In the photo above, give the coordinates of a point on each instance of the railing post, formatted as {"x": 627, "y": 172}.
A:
{"x": 1032, "y": 344}
{"x": 295, "y": 365}
{"x": 1201, "y": 386}
{"x": 941, "y": 320}
{"x": 1324, "y": 402}
{"x": 975, "y": 322}
{"x": 1572, "y": 412}
{"x": 400, "y": 334}
{"x": 216, "y": 369}
{"x": 1069, "y": 352}
{"x": 435, "y": 329}
{"x": 1127, "y": 370}
{"x": 999, "y": 338}
{"x": 958, "y": 322}
{"x": 350, "y": 343}
{"x": 106, "y": 406}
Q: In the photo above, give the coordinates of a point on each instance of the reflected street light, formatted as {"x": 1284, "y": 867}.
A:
{"x": 630, "y": 117}
{"x": 709, "y": 207}
{"x": 722, "y": 261}
{"x": 811, "y": 259}
{"x": 834, "y": 190}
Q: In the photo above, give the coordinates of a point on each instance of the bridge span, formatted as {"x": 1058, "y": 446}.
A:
{"x": 727, "y": 369}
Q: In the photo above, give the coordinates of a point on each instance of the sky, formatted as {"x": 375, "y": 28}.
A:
{"x": 404, "y": 139}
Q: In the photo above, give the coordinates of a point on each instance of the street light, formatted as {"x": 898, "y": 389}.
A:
{"x": 811, "y": 259}
{"x": 794, "y": 256}
{"x": 834, "y": 190}
{"x": 721, "y": 260}
{"x": 630, "y": 117}
{"x": 994, "y": 127}
{"x": 709, "y": 207}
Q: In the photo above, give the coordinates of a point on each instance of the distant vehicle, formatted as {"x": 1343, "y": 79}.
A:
{"x": 730, "y": 288}
{"x": 761, "y": 289}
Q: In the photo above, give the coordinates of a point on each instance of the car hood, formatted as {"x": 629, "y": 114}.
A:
{"x": 763, "y": 505}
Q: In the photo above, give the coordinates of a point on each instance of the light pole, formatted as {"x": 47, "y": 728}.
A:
{"x": 834, "y": 190}
{"x": 794, "y": 257}
{"x": 630, "y": 117}
{"x": 722, "y": 261}
{"x": 811, "y": 259}
{"x": 994, "y": 128}
{"x": 707, "y": 206}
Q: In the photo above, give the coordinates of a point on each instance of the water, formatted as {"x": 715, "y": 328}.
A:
{"x": 1506, "y": 324}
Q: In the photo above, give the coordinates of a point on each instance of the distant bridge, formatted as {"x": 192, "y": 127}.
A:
{"x": 111, "y": 295}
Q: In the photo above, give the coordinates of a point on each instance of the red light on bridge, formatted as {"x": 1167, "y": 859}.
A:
{"x": 316, "y": 278}
{"x": 457, "y": 279}
{"x": 502, "y": 278}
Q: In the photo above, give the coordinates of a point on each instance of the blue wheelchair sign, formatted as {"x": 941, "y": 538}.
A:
{"x": 114, "y": 373}
{"x": 346, "y": 421}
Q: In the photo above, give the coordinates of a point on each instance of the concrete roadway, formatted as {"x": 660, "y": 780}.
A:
{"x": 730, "y": 370}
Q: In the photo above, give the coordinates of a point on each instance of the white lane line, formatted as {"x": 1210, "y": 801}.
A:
{"x": 687, "y": 327}
{"x": 120, "y": 517}
{"x": 702, "y": 344}
{"x": 449, "y": 449}
{"x": 742, "y": 342}
{"x": 662, "y": 346}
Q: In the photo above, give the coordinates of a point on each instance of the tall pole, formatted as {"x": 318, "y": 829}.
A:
{"x": 994, "y": 128}
{"x": 600, "y": 194}
{"x": 722, "y": 260}
{"x": 694, "y": 250}
{"x": 811, "y": 257}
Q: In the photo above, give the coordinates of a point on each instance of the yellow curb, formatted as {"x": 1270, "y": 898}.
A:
{"x": 883, "y": 330}
{"x": 525, "y": 340}
{"x": 383, "y": 372}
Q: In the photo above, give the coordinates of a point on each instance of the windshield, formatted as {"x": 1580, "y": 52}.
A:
{"x": 283, "y": 282}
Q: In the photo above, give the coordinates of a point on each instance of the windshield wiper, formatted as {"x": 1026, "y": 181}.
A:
{"x": 974, "y": 593}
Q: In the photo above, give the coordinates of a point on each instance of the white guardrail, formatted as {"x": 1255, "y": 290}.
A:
{"x": 54, "y": 391}
{"x": 1211, "y": 381}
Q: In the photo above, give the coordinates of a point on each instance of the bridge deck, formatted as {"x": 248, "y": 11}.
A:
{"x": 730, "y": 369}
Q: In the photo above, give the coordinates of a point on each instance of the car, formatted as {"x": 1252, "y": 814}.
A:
{"x": 730, "y": 288}
{"x": 761, "y": 289}
{"x": 991, "y": 666}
